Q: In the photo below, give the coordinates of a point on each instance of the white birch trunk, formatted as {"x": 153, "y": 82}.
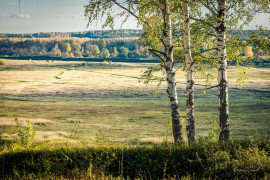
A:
{"x": 170, "y": 75}
{"x": 222, "y": 73}
{"x": 190, "y": 81}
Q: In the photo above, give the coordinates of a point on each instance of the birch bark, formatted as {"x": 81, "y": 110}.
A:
{"x": 170, "y": 74}
{"x": 222, "y": 73}
{"x": 190, "y": 80}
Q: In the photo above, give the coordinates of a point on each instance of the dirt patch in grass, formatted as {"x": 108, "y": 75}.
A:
{"x": 6, "y": 121}
{"x": 50, "y": 135}
{"x": 154, "y": 139}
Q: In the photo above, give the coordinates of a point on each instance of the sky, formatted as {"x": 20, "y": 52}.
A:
{"x": 47, "y": 16}
{"x": 62, "y": 16}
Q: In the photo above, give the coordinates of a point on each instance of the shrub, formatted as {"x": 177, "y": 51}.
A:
{"x": 2, "y": 62}
{"x": 26, "y": 134}
{"x": 246, "y": 159}
{"x": 105, "y": 62}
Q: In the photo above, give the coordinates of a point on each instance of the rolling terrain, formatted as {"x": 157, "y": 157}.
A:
{"x": 93, "y": 103}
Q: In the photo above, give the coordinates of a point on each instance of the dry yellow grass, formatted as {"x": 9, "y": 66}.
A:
{"x": 77, "y": 81}
{"x": 119, "y": 120}
{"x": 155, "y": 139}
{"x": 7, "y": 121}
{"x": 50, "y": 135}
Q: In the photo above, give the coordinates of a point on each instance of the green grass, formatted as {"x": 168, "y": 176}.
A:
{"x": 88, "y": 99}
{"x": 121, "y": 120}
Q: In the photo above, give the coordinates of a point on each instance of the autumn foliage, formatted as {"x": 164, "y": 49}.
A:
{"x": 248, "y": 51}
{"x": 73, "y": 47}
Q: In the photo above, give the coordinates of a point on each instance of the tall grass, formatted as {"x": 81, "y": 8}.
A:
{"x": 225, "y": 160}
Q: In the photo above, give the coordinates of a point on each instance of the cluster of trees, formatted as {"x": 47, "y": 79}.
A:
{"x": 121, "y": 33}
{"x": 94, "y": 48}
{"x": 206, "y": 45}
{"x": 73, "y": 47}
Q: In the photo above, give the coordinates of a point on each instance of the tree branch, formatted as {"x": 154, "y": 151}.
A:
{"x": 179, "y": 68}
{"x": 211, "y": 9}
{"x": 207, "y": 23}
{"x": 212, "y": 87}
{"x": 214, "y": 6}
{"x": 205, "y": 51}
{"x": 129, "y": 11}
{"x": 232, "y": 5}
{"x": 204, "y": 56}
{"x": 212, "y": 34}
{"x": 123, "y": 7}
{"x": 132, "y": 13}
{"x": 155, "y": 52}
{"x": 160, "y": 52}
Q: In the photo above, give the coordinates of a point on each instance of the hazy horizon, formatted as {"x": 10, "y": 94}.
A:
{"x": 68, "y": 31}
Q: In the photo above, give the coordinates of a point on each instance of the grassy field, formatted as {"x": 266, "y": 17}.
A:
{"x": 91, "y": 103}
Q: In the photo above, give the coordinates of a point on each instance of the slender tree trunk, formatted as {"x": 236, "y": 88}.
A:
{"x": 170, "y": 74}
{"x": 222, "y": 73}
{"x": 190, "y": 82}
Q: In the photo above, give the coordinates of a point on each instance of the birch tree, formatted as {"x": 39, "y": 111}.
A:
{"x": 168, "y": 61}
{"x": 225, "y": 15}
{"x": 190, "y": 126}
{"x": 155, "y": 17}
{"x": 195, "y": 39}
{"x": 222, "y": 72}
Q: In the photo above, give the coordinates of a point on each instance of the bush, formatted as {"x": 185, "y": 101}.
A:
{"x": 247, "y": 159}
{"x": 105, "y": 62}
{"x": 2, "y": 62}
{"x": 26, "y": 134}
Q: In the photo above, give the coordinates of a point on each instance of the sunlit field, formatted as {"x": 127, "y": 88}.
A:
{"x": 99, "y": 103}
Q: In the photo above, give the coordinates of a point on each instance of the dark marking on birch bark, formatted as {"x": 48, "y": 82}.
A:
{"x": 170, "y": 49}
{"x": 221, "y": 28}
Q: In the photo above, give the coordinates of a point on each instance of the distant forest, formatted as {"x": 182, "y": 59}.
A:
{"x": 121, "y": 33}
{"x": 88, "y": 44}
{"x": 73, "y": 47}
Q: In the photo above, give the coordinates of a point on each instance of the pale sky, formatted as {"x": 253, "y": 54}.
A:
{"x": 47, "y": 16}
{"x": 62, "y": 16}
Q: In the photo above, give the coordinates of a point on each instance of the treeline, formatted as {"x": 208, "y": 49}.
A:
{"x": 124, "y": 33}
{"x": 243, "y": 33}
{"x": 120, "y": 33}
{"x": 76, "y": 45}
{"x": 73, "y": 47}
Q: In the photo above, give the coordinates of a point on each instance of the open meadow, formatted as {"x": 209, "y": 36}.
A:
{"x": 92, "y": 103}
{"x": 134, "y": 90}
{"x": 97, "y": 121}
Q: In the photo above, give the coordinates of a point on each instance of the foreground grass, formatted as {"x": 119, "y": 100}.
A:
{"x": 248, "y": 159}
